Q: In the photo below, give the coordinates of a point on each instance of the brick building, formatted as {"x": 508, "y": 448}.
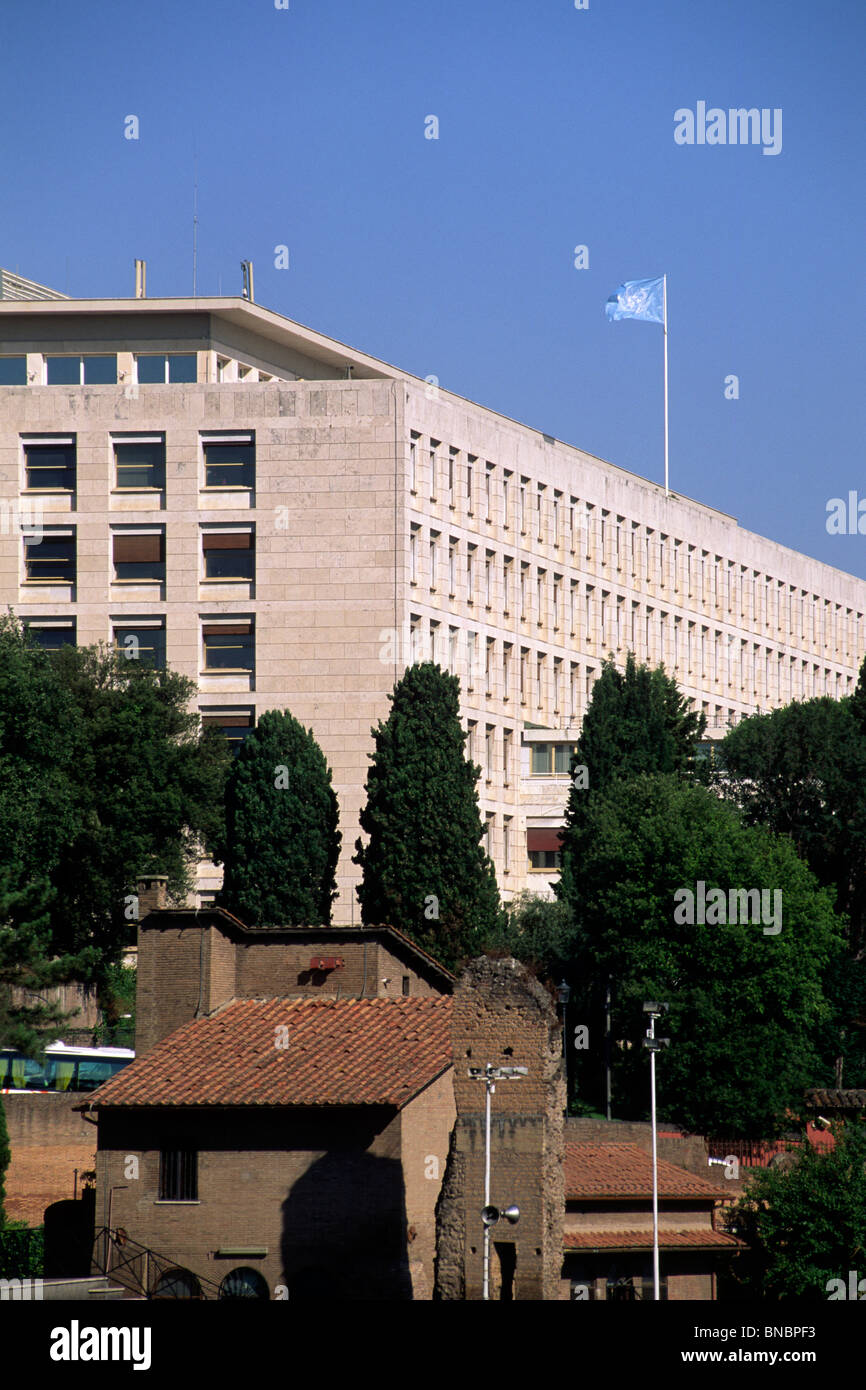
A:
{"x": 608, "y": 1232}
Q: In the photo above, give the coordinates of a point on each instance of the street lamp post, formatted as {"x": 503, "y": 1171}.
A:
{"x": 490, "y": 1215}
{"x": 654, "y": 1044}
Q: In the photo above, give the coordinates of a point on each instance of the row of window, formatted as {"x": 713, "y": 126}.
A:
{"x": 100, "y": 369}
{"x": 138, "y": 555}
{"x": 228, "y": 644}
{"x": 616, "y": 544}
{"x": 689, "y": 650}
{"x": 50, "y": 463}
{"x": 483, "y": 575}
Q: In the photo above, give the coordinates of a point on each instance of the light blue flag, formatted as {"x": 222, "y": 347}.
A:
{"x": 638, "y": 299}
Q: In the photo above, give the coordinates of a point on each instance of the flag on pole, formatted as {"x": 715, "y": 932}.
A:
{"x": 638, "y": 299}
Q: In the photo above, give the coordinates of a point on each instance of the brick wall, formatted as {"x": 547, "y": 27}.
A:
{"x": 503, "y": 1016}
{"x": 323, "y": 1193}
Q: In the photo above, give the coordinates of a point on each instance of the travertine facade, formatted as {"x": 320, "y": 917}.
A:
{"x": 372, "y": 519}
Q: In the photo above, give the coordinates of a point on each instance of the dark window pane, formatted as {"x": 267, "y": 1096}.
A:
{"x": 92, "y": 1073}
{"x": 178, "y": 1175}
{"x": 228, "y": 564}
{"x": 229, "y": 465}
{"x": 100, "y": 371}
{"x": 233, "y": 652}
{"x": 51, "y": 639}
{"x": 562, "y": 758}
{"x": 51, "y": 467}
{"x": 151, "y": 370}
{"x": 182, "y": 367}
{"x": 145, "y": 644}
{"x": 13, "y": 371}
{"x": 63, "y": 371}
{"x": 541, "y": 759}
{"x": 140, "y": 569}
{"x": 51, "y": 559}
{"x": 140, "y": 465}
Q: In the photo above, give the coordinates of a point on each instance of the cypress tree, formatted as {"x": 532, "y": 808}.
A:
{"x": 282, "y": 842}
{"x": 425, "y": 870}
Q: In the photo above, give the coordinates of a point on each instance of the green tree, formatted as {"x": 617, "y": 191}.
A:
{"x": 804, "y": 1224}
{"x": 801, "y": 772}
{"x": 104, "y": 774}
{"x": 637, "y": 722}
{"x": 746, "y": 999}
{"x": 148, "y": 793}
{"x": 537, "y": 932}
{"x": 424, "y": 868}
{"x": 282, "y": 842}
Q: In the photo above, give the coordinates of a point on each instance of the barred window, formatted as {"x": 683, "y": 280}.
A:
{"x": 178, "y": 1175}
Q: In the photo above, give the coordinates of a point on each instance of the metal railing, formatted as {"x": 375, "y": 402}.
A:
{"x": 146, "y": 1272}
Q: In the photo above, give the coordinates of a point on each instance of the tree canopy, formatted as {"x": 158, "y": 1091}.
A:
{"x": 104, "y": 775}
{"x": 425, "y": 870}
{"x": 282, "y": 843}
{"x": 746, "y": 1000}
{"x": 804, "y": 1223}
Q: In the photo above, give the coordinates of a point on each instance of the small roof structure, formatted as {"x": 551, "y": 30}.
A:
{"x": 292, "y": 1052}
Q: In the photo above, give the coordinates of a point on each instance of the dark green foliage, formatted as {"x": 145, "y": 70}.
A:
{"x": 538, "y": 933}
{"x": 801, "y": 771}
{"x": 282, "y": 842}
{"x": 104, "y": 774}
{"x": 22, "y": 1250}
{"x": 424, "y": 867}
{"x": 805, "y": 1224}
{"x": 746, "y": 1006}
{"x": 26, "y": 964}
{"x": 637, "y": 722}
{"x": 118, "y": 1001}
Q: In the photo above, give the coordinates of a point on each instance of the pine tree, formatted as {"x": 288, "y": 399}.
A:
{"x": 425, "y": 869}
{"x": 282, "y": 843}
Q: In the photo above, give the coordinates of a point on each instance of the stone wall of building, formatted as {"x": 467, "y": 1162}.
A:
{"x": 503, "y": 1017}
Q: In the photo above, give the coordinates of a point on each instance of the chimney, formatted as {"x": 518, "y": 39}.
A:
{"x": 152, "y": 896}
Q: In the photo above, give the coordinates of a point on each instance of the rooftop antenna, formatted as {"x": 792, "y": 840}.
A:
{"x": 194, "y": 222}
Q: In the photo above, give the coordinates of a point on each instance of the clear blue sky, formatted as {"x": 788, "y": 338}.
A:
{"x": 454, "y": 256}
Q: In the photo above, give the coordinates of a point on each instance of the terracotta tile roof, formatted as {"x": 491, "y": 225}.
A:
{"x": 643, "y": 1240}
{"x": 624, "y": 1170}
{"x": 340, "y": 1052}
{"x": 837, "y": 1099}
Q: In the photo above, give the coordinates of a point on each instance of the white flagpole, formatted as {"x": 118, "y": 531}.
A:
{"x": 665, "y": 297}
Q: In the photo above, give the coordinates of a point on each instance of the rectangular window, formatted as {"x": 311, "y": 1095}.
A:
{"x": 234, "y": 724}
{"x": 50, "y": 560}
{"x": 229, "y": 463}
{"x": 99, "y": 370}
{"x": 159, "y": 368}
{"x": 228, "y": 554}
{"x": 13, "y": 371}
{"x": 140, "y": 463}
{"x": 178, "y": 1175}
{"x": 50, "y": 465}
{"x": 139, "y": 555}
{"x": 50, "y": 634}
{"x": 413, "y": 462}
{"x": 63, "y": 371}
{"x": 229, "y": 647}
{"x": 142, "y": 643}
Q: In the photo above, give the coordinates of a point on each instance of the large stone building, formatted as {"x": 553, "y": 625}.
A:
{"x": 289, "y": 522}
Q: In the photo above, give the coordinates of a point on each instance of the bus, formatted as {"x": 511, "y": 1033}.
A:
{"x": 64, "y": 1069}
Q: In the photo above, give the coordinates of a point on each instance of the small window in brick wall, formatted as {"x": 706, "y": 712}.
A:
{"x": 178, "y": 1175}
